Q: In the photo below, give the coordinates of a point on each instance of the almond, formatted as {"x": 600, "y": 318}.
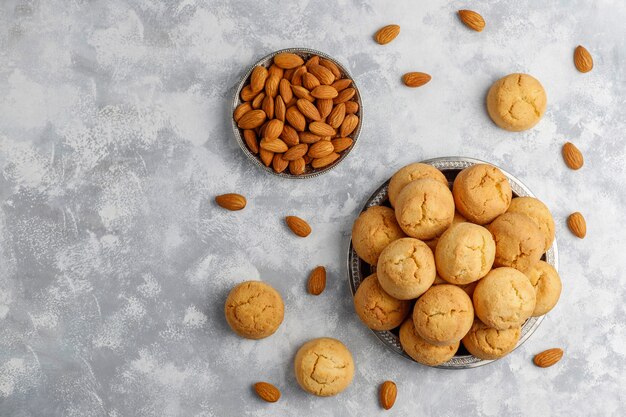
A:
{"x": 287, "y": 60}
{"x": 257, "y": 102}
{"x": 296, "y": 152}
{"x": 415, "y": 79}
{"x": 317, "y": 281}
{"x": 296, "y": 78}
{"x": 231, "y": 201}
{"x": 251, "y": 140}
{"x": 247, "y": 94}
{"x": 267, "y": 392}
{"x": 314, "y": 60}
{"x": 344, "y": 95}
{"x": 341, "y": 144}
{"x": 351, "y": 107}
{"x": 388, "y": 393}
{"x": 271, "y": 86}
{"x": 273, "y": 145}
{"x": 335, "y": 118}
{"x": 323, "y": 74}
{"x": 387, "y": 34}
{"x": 295, "y": 118}
{"x": 308, "y": 137}
{"x": 472, "y": 20}
{"x": 331, "y": 66}
{"x": 324, "y": 161}
{"x": 279, "y": 164}
{"x": 288, "y": 74}
{"x": 548, "y": 357}
{"x": 284, "y": 86}
{"x": 307, "y": 159}
{"x": 297, "y": 166}
{"x": 298, "y": 226}
{"x": 324, "y": 92}
{"x": 258, "y": 77}
{"x": 241, "y": 109}
{"x": 583, "y": 59}
{"x": 342, "y": 84}
{"x": 291, "y": 102}
{"x": 251, "y": 119}
{"x": 279, "y": 108}
{"x": 302, "y": 92}
{"x": 289, "y": 136}
{"x": 266, "y": 156}
{"x": 325, "y": 106}
{"x": 308, "y": 109}
{"x": 322, "y": 129}
{"x": 268, "y": 107}
{"x": 577, "y": 224}
{"x": 309, "y": 81}
{"x": 350, "y": 122}
{"x": 572, "y": 156}
{"x": 274, "y": 70}
{"x": 320, "y": 149}
{"x": 273, "y": 129}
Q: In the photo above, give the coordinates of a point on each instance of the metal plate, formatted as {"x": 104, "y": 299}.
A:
{"x": 305, "y": 53}
{"x": 359, "y": 270}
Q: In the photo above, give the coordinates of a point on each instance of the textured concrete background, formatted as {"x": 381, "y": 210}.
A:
{"x": 114, "y": 261}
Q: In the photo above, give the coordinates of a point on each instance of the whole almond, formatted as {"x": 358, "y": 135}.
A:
{"x": 279, "y": 164}
{"x": 302, "y": 92}
{"x": 341, "y": 144}
{"x": 309, "y": 81}
{"x": 572, "y": 156}
{"x": 273, "y": 129}
{"x": 308, "y": 109}
{"x": 247, "y": 94}
{"x": 323, "y": 74}
{"x": 388, "y": 393}
{"x": 320, "y": 149}
{"x": 415, "y": 79}
{"x": 279, "y": 108}
{"x": 350, "y": 122}
{"x": 251, "y": 140}
{"x": 296, "y": 78}
{"x": 289, "y": 135}
{"x": 257, "y": 102}
{"x": 268, "y": 107}
{"x": 297, "y": 166}
{"x": 341, "y": 84}
{"x": 271, "y": 86}
{"x": 266, "y": 156}
{"x": 308, "y": 137}
{"x": 548, "y": 357}
{"x": 325, "y": 106}
{"x": 344, "y": 95}
{"x": 295, "y": 118}
{"x": 258, "y": 77}
{"x": 472, "y": 20}
{"x": 251, "y": 119}
{"x": 267, "y": 392}
{"x": 241, "y": 109}
{"x": 577, "y": 225}
{"x": 351, "y": 107}
{"x": 274, "y": 70}
{"x": 317, "y": 281}
{"x": 331, "y": 66}
{"x": 387, "y": 34}
{"x": 296, "y": 152}
{"x": 324, "y": 161}
{"x": 314, "y": 60}
{"x": 335, "y": 118}
{"x": 287, "y": 60}
{"x": 298, "y": 226}
{"x": 324, "y": 92}
{"x": 232, "y": 201}
{"x": 583, "y": 59}
{"x": 284, "y": 86}
{"x": 273, "y": 145}
{"x": 322, "y": 129}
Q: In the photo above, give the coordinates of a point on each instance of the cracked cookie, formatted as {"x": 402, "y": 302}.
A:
{"x": 254, "y": 310}
{"x": 538, "y": 213}
{"x": 516, "y": 102}
{"x": 443, "y": 315}
{"x": 519, "y": 242}
{"x": 424, "y": 208}
{"x": 422, "y": 351}
{"x": 377, "y": 309}
{"x": 406, "y": 268}
{"x": 324, "y": 367}
{"x": 481, "y": 193}
{"x": 373, "y": 230}
{"x": 432, "y": 243}
{"x": 547, "y": 284}
{"x": 488, "y": 343}
{"x": 465, "y": 253}
{"x": 504, "y": 299}
{"x": 411, "y": 173}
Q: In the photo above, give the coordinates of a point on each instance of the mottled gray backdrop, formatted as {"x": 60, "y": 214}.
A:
{"x": 115, "y": 262}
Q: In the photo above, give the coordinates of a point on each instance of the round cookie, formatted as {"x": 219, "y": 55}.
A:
{"x": 465, "y": 253}
{"x": 410, "y": 173}
{"x": 432, "y": 243}
{"x": 516, "y": 102}
{"x": 324, "y": 367}
{"x": 488, "y": 343}
{"x": 377, "y": 309}
{"x": 424, "y": 208}
{"x": 406, "y": 268}
{"x": 443, "y": 315}
{"x": 547, "y": 284}
{"x": 422, "y": 351}
{"x": 504, "y": 299}
{"x": 519, "y": 242}
{"x": 481, "y": 193}
{"x": 538, "y": 213}
{"x": 373, "y": 230}
{"x": 254, "y": 309}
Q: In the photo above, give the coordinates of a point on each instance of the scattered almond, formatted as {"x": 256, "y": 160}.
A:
{"x": 548, "y": 357}
{"x": 267, "y": 392}
{"x": 388, "y": 393}
{"x": 572, "y": 156}
{"x": 298, "y": 226}
{"x": 415, "y": 79}
{"x": 231, "y": 201}
{"x": 387, "y": 34}
{"x": 472, "y": 20}
{"x": 317, "y": 281}
{"x": 577, "y": 225}
{"x": 582, "y": 59}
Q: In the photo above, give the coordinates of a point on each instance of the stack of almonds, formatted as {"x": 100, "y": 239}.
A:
{"x": 296, "y": 114}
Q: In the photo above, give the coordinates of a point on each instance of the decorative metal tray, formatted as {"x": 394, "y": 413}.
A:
{"x": 359, "y": 270}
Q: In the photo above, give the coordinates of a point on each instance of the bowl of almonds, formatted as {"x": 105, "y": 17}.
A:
{"x": 297, "y": 113}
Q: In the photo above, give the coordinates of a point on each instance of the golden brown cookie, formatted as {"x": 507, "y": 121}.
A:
{"x": 432, "y": 243}
{"x": 424, "y": 208}
{"x": 406, "y": 268}
{"x": 410, "y": 173}
{"x": 254, "y": 309}
{"x": 538, "y": 213}
{"x": 519, "y": 242}
{"x": 377, "y": 309}
{"x": 324, "y": 367}
{"x": 465, "y": 253}
{"x": 504, "y": 299}
{"x": 516, "y": 102}
{"x": 488, "y": 343}
{"x": 422, "y": 351}
{"x": 547, "y": 284}
{"x": 481, "y": 193}
{"x": 373, "y": 230}
{"x": 443, "y": 315}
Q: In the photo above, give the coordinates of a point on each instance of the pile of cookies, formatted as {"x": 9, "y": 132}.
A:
{"x": 455, "y": 266}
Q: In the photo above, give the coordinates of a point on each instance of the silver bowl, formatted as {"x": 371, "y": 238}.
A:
{"x": 265, "y": 61}
{"x": 359, "y": 270}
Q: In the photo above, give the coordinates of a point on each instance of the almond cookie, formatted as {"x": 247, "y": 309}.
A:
{"x": 547, "y": 284}
{"x": 411, "y": 173}
{"x": 519, "y": 242}
{"x": 422, "y": 351}
{"x": 432, "y": 243}
{"x": 481, "y": 193}
{"x": 254, "y": 310}
{"x": 377, "y": 309}
{"x": 324, "y": 367}
{"x": 465, "y": 253}
{"x": 537, "y": 212}
{"x": 488, "y": 343}
{"x": 516, "y": 102}
{"x": 373, "y": 230}
{"x": 443, "y": 315}
{"x": 424, "y": 208}
{"x": 504, "y": 299}
{"x": 406, "y": 268}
